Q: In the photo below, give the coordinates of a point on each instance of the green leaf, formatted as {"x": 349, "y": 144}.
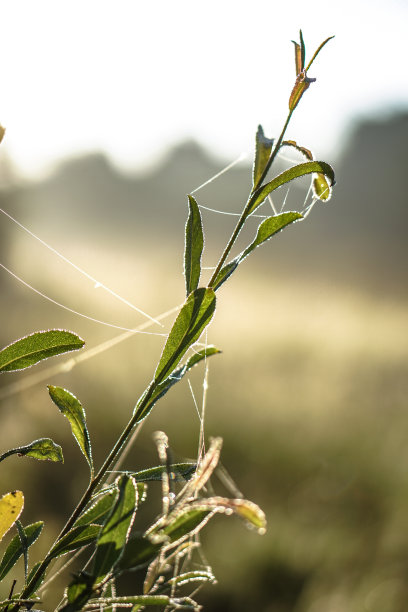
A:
{"x": 98, "y": 512}
{"x": 321, "y": 186}
{"x": 24, "y": 545}
{"x": 156, "y": 391}
{"x": 288, "y": 175}
{"x": 263, "y": 148}
{"x": 71, "y": 407}
{"x": 15, "y": 549}
{"x": 192, "y": 319}
{"x": 41, "y": 449}
{"x": 268, "y": 228}
{"x": 115, "y": 533}
{"x": 193, "y": 246}
{"x": 31, "y": 575}
{"x": 179, "y": 472}
{"x": 77, "y": 537}
{"x": 139, "y": 551}
{"x": 186, "y": 522}
{"x": 225, "y": 273}
{"x": 79, "y": 592}
{"x": 31, "y": 349}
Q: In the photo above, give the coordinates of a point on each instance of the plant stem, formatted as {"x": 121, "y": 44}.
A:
{"x": 243, "y": 216}
{"x": 89, "y": 492}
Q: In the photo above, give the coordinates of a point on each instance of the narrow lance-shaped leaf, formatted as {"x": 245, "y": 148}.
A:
{"x": 263, "y": 148}
{"x": 38, "y": 346}
{"x": 15, "y": 549}
{"x": 42, "y": 449}
{"x": 99, "y": 511}
{"x": 115, "y": 533}
{"x": 321, "y": 186}
{"x": 144, "y": 405}
{"x": 77, "y": 537}
{"x": 11, "y": 506}
{"x": 287, "y": 176}
{"x": 71, "y": 407}
{"x": 192, "y": 319}
{"x": 268, "y": 228}
{"x": 79, "y": 592}
{"x": 193, "y": 246}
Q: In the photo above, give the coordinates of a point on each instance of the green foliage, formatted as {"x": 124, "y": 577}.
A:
{"x": 73, "y": 410}
{"x": 42, "y": 449}
{"x": 115, "y": 532}
{"x": 193, "y": 247}
{"x": 28, "y": 351}
{"x": 17, "y": 547}
{"x": 192, "y": 319}
{"x": 104, "y": 517}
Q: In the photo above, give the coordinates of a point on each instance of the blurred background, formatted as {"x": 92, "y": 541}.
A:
{"x": 114, "y": 112}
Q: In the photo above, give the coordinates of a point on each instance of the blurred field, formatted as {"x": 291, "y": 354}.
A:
{"x": 309, "y": 396}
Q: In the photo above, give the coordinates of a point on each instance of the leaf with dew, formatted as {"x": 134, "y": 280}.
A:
{"x": 115, "y": 532}
{"x": 43, "y": 449}
{"x": 285, "y": 177}
{"x": 194, "y": 243}
{"x": 263, "y": 148}
{"x": 16, "y": 548}
{"x": 31, "y": 349}
{"x": 191, "y": 321}
{"x": 71, "y": 408}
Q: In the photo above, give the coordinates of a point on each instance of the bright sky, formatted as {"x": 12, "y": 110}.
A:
{"x": 132, "y": 77}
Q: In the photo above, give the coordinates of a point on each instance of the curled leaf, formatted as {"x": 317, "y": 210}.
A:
{"x": 263, "y": 148}
{"x": 41, "y": 345}
{"x": 321, "y": 187}
{"x": 285, "y": 177}
{"x": 42, "y": 449}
